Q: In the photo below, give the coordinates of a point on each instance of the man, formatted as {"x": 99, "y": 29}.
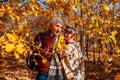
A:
{"x": 49, "y": 64}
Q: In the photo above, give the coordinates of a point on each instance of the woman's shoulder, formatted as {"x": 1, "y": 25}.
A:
{"x": 75, "y": 43}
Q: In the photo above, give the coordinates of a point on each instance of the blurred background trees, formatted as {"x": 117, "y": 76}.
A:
{"x": 97, "y": 22}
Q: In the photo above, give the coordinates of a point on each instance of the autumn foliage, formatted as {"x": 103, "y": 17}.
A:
{"x": 99, "y": 22}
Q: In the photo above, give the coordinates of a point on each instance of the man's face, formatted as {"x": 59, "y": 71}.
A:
{"x": 56, "y": 29}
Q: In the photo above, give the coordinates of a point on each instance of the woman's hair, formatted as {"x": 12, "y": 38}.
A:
{"x": 70, "y": 29}
{"x": 57, "y": 20}
{"x": 73, "y": 31}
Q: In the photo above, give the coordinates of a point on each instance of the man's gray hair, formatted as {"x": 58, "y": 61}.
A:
{"x": 57, "y": 20}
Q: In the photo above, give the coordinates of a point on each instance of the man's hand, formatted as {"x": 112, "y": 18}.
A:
{"x": 28, "y": 52}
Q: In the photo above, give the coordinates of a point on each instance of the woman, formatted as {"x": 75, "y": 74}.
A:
{"x": 72, "y": 58}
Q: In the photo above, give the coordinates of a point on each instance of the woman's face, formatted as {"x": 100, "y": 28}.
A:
{"x": 56, "y": 29}
{"x": 68, "y": 36}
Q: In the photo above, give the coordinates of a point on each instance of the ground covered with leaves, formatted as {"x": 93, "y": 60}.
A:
{"x": 12, "y": 69}
{"x": 95, "y": 71}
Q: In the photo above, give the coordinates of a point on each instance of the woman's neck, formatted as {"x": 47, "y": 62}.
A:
{"x": 70, "y": 41}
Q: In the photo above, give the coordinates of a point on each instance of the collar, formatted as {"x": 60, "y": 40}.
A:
{"x": 49, "y": 33}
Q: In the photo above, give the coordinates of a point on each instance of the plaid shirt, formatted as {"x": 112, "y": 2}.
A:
{"x": 55, "y": 67}
{"x": 72, "y": 61}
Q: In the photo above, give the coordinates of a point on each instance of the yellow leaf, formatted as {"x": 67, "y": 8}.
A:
{"x": 103, "y": 54}
{"x": 44, "y": 60}
{"x": 102, "y": 42}
{"x": 36, "y": 13}
{"x": 3, "y": 53}
{"x": 2, "y": 39}
{"x": 88, "y": 31}
{"x": 106, "y": 41}
{"x": 63, "y": 0}
{"x": 27, "y": 34}
{"x": 12, "y": 17}
{"x": 91, "y": 35}
{"x": 54, "y": 0}
{"x": 83, "y": 7}
{"x": 15, "y": 35}
{"x": 76, "y": 3}
{"x": 61, "y": 9}
{"x": 24, "y": 22}
{"x": 20, "y": 48}
{"x": 2, "y": 11}
{"x": 117, "y": 50}
{"x": 101, "y": 20}
{"x": 106, "y": 26}
{"x": 31, "y": 38}
{"x": 17, "y": 17}
{"x": 97, "y": 24}
{"x": 20, "y": 4}
{"x": 105, "y": 49}
{"x": 114, "y": 32}
{"x": 60, "y": 43}
{"x": 20, "y": 27}
{"x": 48, "y": 1}
{"x": 94, "y": 17}
{"x": 106, "y": 69}
{"x": 73, "y": 6}
{"x": 106, "y": 8}
{"x": 100, "y": 32}
{"x": 31, "y": 0}
{"x": 9, "y": 47}
{"x": 11, "y": 37}
{"x": 113, "y": 36}
{"x": 16, "y": 55}
{"x": 24, "y": 13}
{"x": 91, "y": 25}
{"x": 1, "y": 14}
{"x": 9, "y": 9}
{"x": 106, "y": 13}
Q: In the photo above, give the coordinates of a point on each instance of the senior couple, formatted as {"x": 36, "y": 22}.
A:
{"x": 62, "y": 58}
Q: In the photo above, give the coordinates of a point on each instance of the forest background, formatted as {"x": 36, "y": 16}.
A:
{"x": 97, "y": 22}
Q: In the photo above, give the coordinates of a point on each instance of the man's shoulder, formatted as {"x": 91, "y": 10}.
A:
{"x": 41, "y": 33}
{"x": 39, "y": 36}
